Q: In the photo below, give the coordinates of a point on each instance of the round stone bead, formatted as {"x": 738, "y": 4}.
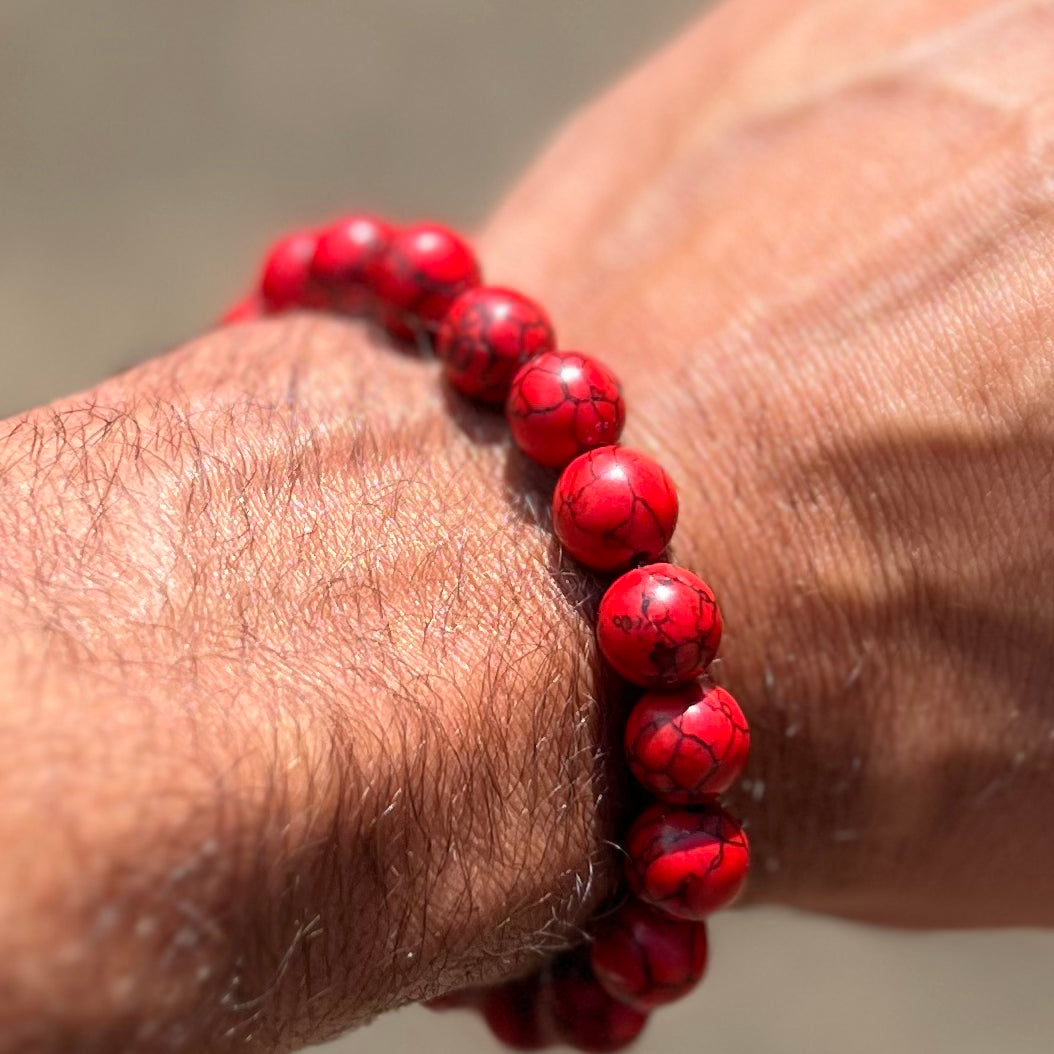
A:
{"x": 286, "y": 281}
{"x": 347, "y": 256}
{"x": 614, "y": 507}
{"x": 687, "y": 745}
{"x": 563, "y": 403}
{"x": 645, "y": 958}
{"x": 486, "y": 336}
{"x": 688, "y": 863}
{"x": 425, "y": 269}
{"x": 511, "y": 1011}
{"x": 659, "y": 626}
{"x": 396, "y": 326}
{"x": 245, "y": 310}
{"x": 586, "y": 1017}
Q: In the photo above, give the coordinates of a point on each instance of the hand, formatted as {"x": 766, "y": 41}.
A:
{"x": 816, "y": 244}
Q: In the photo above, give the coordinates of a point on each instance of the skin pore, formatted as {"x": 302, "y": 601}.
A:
{"x": 300, "y": 717}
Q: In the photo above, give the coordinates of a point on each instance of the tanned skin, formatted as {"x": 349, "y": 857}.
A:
{"x": 300, "y": 717}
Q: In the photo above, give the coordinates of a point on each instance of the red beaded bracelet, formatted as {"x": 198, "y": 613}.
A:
{"x": 658, "y": 625}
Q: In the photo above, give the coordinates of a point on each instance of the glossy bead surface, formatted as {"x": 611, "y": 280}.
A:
{"x": 658, "y": 626}
{"x": 644, "y": 958}
{"x": 286, "y": 281}
{"x": 424, "y": 270}
{"x": 562, "y": 404}
{"x": 486, "y": 336}
{"x": 586, "y": 1017}
{"x": 614, "y": 507}
{"x": 689, "y": 744}
{"x": 512, "y": 1013}
{"x": 688, "y": 863}
{"x": 347, "y": 256}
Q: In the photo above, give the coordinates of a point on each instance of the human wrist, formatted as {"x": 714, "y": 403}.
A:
{"x": 362, "y": 754}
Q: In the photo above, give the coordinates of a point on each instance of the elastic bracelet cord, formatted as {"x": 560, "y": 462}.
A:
{"x": 658, "y": 625}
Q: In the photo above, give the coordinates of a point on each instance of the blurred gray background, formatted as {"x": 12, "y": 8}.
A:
{"x": 147, "y": 153}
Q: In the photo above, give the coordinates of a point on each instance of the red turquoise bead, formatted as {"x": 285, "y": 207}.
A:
{"x": 245, "y": 310}
{"x": 424, "y": 270}
{"x": 586, "y": 1017}
{"x": 688, "y": 863}
{"x": 286, "y": 281}
{"x": 486, "y": 336}
{"x": 513, "y": 1014}
{"x": 347, "y": 256}
{"x": 614, "y": 507}
{"x": 644, "y": 958}
{"x": 687, "y": 745}
{"x": 563, "y": 403}
{"x": 659, "y": 626}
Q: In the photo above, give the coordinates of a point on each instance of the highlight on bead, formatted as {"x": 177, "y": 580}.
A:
{"x": 286, "y": 279}
{"x": 425, "y": 268}
{"x": 659, "y": 626}
{"x": 348, "y": 254}
{"x": 687, "y": 862}
{"x": 563, "y": 403}
{"x": 614, "y": 507}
